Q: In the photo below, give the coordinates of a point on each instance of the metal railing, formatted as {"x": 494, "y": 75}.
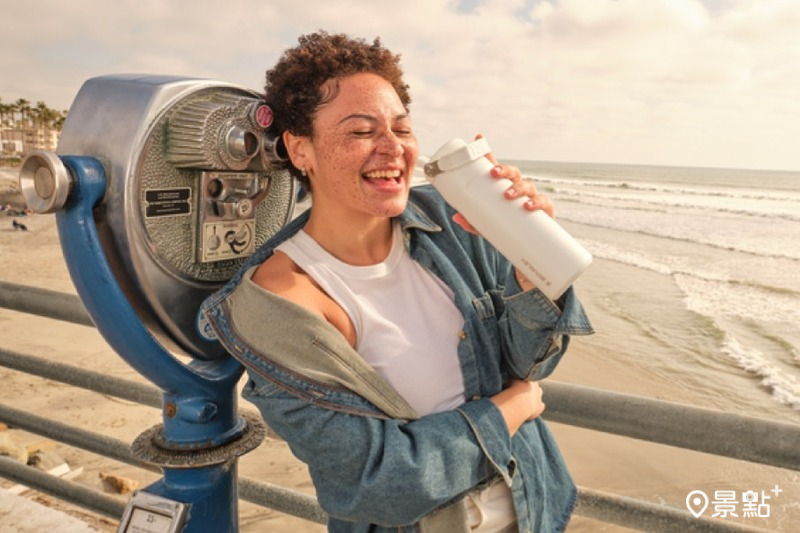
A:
{"x": 760, "y": 441}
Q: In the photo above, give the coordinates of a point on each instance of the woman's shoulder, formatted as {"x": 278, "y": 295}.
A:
{"x": 277, "y": 274}
{"x": 281, "y": 276}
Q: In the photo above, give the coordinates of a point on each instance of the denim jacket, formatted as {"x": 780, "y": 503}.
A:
{"x": 375, "y": 464}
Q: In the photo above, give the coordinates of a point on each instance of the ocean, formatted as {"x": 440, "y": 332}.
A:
{"x": 719, "y": 312}
{"x": 694, "y": 293}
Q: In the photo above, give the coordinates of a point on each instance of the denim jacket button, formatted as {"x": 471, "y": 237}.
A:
{"x": 462, "y": 334}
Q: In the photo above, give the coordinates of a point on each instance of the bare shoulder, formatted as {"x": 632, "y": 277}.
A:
{"x": 280, "y": 275}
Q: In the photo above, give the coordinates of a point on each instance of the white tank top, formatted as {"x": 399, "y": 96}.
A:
{"x": 407, "y": 326}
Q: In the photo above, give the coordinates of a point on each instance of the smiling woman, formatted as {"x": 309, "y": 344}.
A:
{"x": 395, "y": 350}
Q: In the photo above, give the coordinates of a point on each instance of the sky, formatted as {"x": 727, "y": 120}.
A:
{"x": 710, "y": 83}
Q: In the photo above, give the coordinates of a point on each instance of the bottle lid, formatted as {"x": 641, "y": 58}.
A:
{"x": 454, "y": 154}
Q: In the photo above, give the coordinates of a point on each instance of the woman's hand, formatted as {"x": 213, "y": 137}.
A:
{"x": 520, "y": 186}
{"x": 519, "y": 402}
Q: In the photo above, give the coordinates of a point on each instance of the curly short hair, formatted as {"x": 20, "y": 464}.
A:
{"x": 296, "y": 86}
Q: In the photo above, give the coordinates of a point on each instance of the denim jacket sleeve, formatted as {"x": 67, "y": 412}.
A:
{"x": 359, "y": 462}
{"x": 536, "y": 331}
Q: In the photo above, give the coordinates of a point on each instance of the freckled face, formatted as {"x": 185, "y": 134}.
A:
{"x": 362, "y": 154}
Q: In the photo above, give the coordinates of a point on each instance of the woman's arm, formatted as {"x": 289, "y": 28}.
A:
{"x": 389, "y": 472}
{"x": 519, "y": 402}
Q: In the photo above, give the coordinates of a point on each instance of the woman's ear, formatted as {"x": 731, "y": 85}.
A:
{"x": 299, "y": 149}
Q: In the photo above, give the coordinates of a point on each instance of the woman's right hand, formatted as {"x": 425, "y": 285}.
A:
{"x": 519, "y": 402}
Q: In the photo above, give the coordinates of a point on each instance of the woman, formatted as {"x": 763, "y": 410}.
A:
{"x": 395, "y": 351}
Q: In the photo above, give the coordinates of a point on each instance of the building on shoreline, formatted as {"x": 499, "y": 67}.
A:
{"x": 17, "y": 142}
{"x": 24, "y": 128}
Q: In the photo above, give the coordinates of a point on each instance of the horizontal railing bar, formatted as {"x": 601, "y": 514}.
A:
{"x": 281, "y": 499}
{"x": 86, "y": 379}
{"x": 44, "y": 302}
{"x": 606, "y": 507}
{"x": 79, "y": 438}
{"x": 60, "y": 488}
{"x": 263, "y": 494}
{"x": 758, "y": 441}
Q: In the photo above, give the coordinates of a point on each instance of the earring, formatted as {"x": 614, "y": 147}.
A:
{"x": 303, "y": 171}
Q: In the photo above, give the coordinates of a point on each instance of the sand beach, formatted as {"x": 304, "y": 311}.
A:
{"x": 652, "y": 472}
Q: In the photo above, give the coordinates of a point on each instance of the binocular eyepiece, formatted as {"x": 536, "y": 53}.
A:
{"x": 223, "y": 132}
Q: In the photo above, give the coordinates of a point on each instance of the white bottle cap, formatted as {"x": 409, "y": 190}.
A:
{"x": 454, "y": 154}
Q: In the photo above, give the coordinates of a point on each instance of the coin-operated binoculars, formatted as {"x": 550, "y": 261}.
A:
{"x": 162, "y": 186}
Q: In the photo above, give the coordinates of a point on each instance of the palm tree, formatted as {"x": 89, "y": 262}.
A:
{"x": 58, "y": 122}
{"x": 10, "y": 114}
{"x": 35, "y": 117}
{"x": 5, "y": 109}
{"x": 24, "y": 109}
{"x": 42, "y": 113}
{"x": 20, "y": 114}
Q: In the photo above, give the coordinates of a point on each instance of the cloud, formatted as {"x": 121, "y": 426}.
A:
{"x": 683, "y": 82}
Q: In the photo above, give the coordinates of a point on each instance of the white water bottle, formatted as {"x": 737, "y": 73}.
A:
{"x": 534, "y": 243}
